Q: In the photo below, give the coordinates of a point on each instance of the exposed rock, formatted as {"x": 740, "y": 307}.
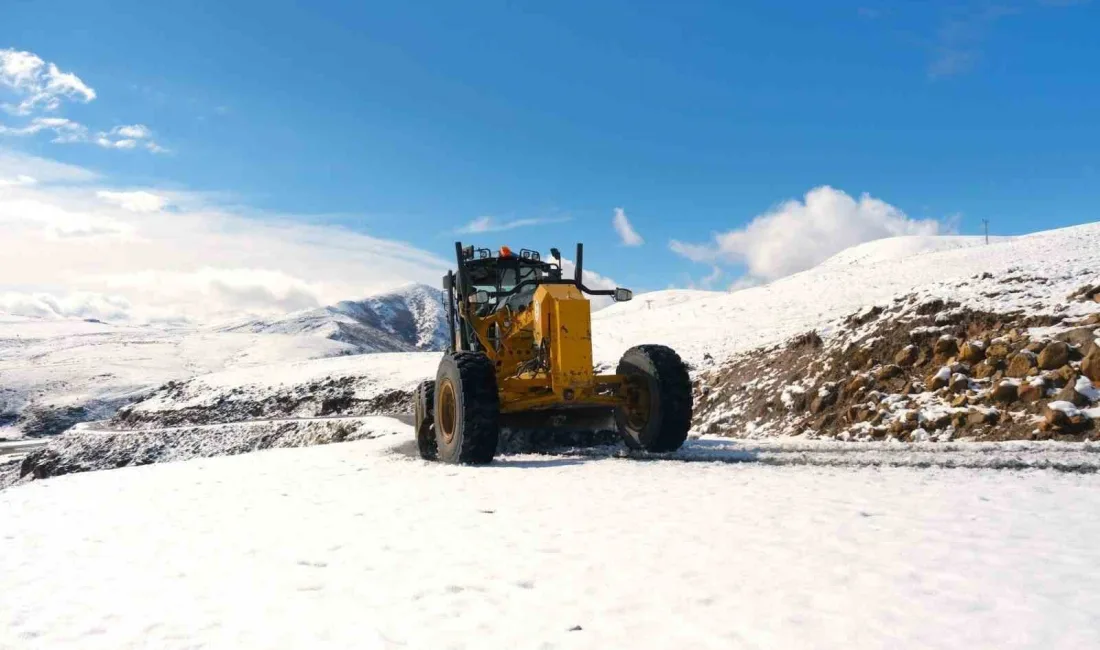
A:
{"x": 906, "y": 421}
{"x": 985, "y": 369}
{"x": 1020, "y": 364}
{"x": 809, "y": 339}
{"x": 858, "y": 383}
{"x": 857, "y": 413}
{"x": 1060, "y": 415}
{"x": 823, "y": 400}
{"x": 972, "y": 352}
{"x": 1054, "y": 355}
{"x": 1030, "y": 392}
{"x": 1065, "y": 375}
{"x": 888, "y": 371}
{"x": 959, "y": 401}
{"x": 907, "y": 356}
{"x": 959, "y": 383}
{"x": 1090, "y": 366}
{"x": 1083, "y": 339}
{"x": 858, "y": 358}
{"x": 1035, "y": 347}
{"x": 988, "y": 416}
{"x": 1086, "y": 293}
{"x": 939, "y": 380}
{"x": 945, "y": 347}
{"x": 1069, "y": 394}
{"x": 997, "y": 350}
{"x": 935, "y": 421}
{"x": 1006, "y": 392}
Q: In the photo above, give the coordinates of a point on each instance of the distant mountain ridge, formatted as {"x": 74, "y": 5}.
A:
{"x": 407, "y": 319}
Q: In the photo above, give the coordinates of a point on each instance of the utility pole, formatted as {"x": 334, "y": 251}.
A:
{"x": 985, "y": 224}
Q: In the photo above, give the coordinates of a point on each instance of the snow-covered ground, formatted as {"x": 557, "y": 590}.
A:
{"x": 373, "y": 374}
{"x": 361, "y": 545}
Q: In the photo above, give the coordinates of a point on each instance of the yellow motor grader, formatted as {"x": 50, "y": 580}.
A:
{"x": 520, "y": 356}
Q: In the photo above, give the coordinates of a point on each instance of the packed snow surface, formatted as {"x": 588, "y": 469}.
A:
{"x": 361, "y": 545}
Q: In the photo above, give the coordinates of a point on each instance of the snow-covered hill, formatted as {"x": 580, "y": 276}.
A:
{"x": 718, "y": 324}
{"x": 54, "y": 373}
{"x": 407, "y": 319}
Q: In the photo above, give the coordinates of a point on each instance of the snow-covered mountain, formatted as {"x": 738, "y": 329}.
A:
{"x": 404, "y": 320}
{"x": 54, "y": 373}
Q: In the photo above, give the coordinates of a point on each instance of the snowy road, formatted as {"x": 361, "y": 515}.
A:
{"x": 21, "y": 446}
{"x": 360, "y": 545}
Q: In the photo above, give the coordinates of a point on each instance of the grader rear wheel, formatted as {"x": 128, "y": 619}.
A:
{"x": 467, "y": 409}
{"x": 657, "y": 415}
{"x": 424, "y": 407}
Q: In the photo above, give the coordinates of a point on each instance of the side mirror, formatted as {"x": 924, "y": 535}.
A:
{"x": 479, "y": 297}
{"x": 623, "y": 295}
{"x": 556, "y": 254}
{"x": 447, "y": 281}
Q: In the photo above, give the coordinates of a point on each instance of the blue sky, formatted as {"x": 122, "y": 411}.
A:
{"x": 406, "y": 120}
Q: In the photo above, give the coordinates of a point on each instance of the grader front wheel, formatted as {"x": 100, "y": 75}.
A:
{"x": 467, "y": 409}
{"x": 657, "y": 415}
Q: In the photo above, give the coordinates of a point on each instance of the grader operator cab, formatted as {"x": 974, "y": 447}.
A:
{"x": 520, "y": 356}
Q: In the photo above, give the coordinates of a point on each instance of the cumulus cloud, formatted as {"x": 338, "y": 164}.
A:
{"x": 40, "y": 88}
{"x": 39, "y": 85}
{"x": 75, "y": 247}
{"x": 491, "y": 224}
{"x": 627, "y": 235}
{"x": 129, "y": 137}
{"x": 797, "y": 235}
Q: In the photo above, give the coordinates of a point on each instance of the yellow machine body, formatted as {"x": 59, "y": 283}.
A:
{"x": 543, "y": 353}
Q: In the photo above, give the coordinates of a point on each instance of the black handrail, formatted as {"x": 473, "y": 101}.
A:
{"x": 527, "y": 283}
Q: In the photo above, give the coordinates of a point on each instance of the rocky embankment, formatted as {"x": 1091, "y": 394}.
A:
{"x": 918, "y": 370}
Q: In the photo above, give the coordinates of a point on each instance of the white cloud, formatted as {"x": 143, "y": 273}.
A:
{"x": 64, "y": 129}
{"x": 71, "y": 239}
{"x": 136, "y": 131}
{"x": 38, "y": 84}
{"x": 797, "y": 235}
{"x": 491, "y": 224}
{"x": 51, "y": 220}
{"x": 18, "y": 179}
{"x": 137, "y": 201}
{"x": 627, "y": 235}
{"x": 74, "y": 305}
{"x": 591, "y": 280}
{"x": 129, "y": 136}
{"x": 40, "y": 87}
{"x": 41, "y": 170}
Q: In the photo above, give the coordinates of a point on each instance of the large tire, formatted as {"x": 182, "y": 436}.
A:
{"x": 467, "y": 409}
{"x": 661, "y": 417}
{"x": 424, "y": 408}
